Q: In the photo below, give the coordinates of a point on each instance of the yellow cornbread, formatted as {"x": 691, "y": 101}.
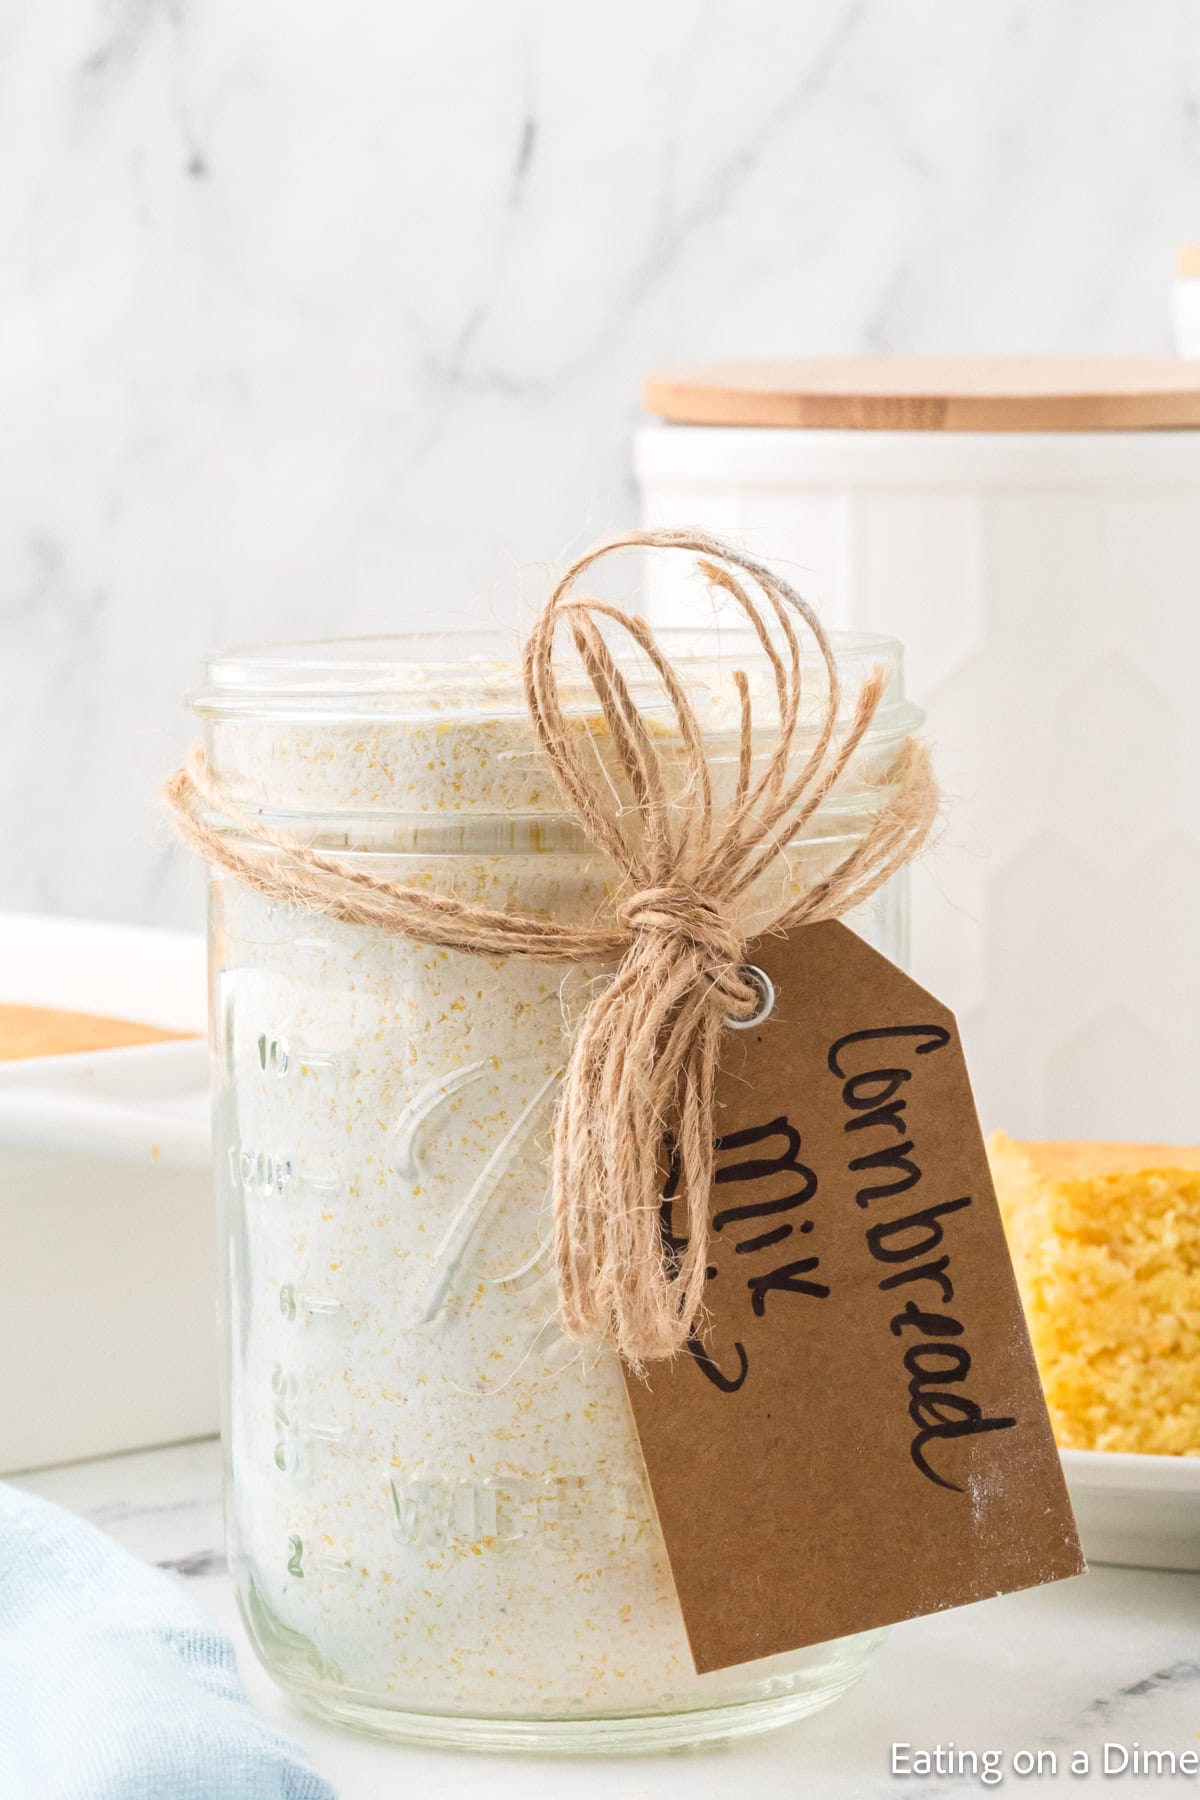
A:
{"x": 1105, "y": 1239}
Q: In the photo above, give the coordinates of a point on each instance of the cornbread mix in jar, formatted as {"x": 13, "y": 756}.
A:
{"x": 440, "y": 1522}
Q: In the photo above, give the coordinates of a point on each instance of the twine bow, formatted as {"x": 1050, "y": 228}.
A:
{"x": 645, "y": 1056}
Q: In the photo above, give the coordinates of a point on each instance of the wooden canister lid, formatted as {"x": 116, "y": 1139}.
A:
{"x": 936, "y": 393}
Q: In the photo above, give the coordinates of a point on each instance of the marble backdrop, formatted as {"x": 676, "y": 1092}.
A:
{"x": 322, "y": 318}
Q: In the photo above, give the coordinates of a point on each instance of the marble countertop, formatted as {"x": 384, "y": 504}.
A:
{"x": 1113, "y": 1657}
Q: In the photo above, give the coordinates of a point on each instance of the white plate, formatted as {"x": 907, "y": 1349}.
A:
{"x": 1143, "y": 1511}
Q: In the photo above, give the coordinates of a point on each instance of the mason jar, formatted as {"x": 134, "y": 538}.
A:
{"x": 439, "y": 1523}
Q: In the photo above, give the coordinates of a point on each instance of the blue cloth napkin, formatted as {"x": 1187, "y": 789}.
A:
{"x": 114, "y": 1685}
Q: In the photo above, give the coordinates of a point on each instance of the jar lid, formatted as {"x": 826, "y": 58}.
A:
{"x": 936, "y": 393}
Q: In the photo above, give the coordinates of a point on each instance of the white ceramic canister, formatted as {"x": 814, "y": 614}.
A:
{"x": 1031, "y": 529}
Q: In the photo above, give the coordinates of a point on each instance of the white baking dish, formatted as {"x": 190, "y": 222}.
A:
{"x": 107, "y": 1333}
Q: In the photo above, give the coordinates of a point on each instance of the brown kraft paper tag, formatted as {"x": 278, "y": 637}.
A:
{"x": 858, "y": 1435}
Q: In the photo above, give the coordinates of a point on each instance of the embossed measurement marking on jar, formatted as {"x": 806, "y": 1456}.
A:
{"x": 260, "y": 1171}
{"x": 292, "y": 1304}
{"x": 301, "y": 1562}
{"x": 273, "y": 1173}
{"x": 285, "y": 1390}
{"x": 292, "y": 1430}
{"x": 273, "y": 1054}
{"x": 503, "y": 1510}
{"x": 275, "y": 1057}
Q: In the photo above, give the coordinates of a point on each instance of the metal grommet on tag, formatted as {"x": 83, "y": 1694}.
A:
{"x": 758, "y": 978}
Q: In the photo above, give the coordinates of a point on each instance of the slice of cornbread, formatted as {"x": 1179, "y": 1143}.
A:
{"x": 1105, "y": 1239}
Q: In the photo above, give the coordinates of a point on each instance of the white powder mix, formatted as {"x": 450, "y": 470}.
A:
{"x": 437, "y": 1502}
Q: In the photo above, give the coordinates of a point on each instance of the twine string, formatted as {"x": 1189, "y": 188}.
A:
{"x": 645, "y": 1057}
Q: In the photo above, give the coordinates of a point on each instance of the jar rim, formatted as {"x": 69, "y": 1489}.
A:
{"x": 419, "y": 675}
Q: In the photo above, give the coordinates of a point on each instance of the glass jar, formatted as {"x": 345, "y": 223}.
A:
{"x": 438, "y": 1518}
